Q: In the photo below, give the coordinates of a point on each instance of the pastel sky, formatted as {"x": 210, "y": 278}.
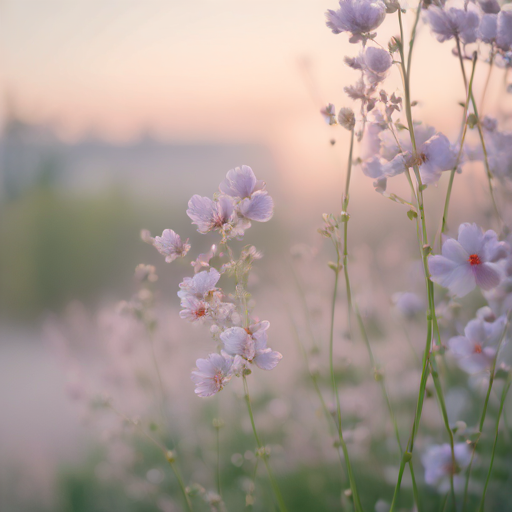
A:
{"x": 208, "y": 70}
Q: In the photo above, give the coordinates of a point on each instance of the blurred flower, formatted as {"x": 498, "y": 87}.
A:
{"x": 504, "y": 31}
{"x": 468, "y": 261}
{"x": 329, "y": 114}
{"x": 170, "y": 245}
{"x": 408, "y": 303}
{"x": 439, "y": 465}
{"x": 346, "y": 118}
{"x": 453, "y": 22}
{"x": 359, "y": 17}
{"x": 476, "y": 350}
{"x": 203, "y": 260}
{"x": 241, "y": 183}
{"x": 376, "y": 63}
{"x": 251, "y": 344}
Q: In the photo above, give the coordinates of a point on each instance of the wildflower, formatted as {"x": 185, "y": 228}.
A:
{"x": 251, "y": 199}
{"x": 199, "y": 286}
{"x": 329, "y": 114}
{"x": 408, "y": 303}
{"x": 468, "y": 261}
{"x": 489, "y": 6}
{"x": 476, "y": 350}
{"x": 170, "y": 245}
{"x": 439, "y": 465}
{"x": 453, "y": 22}
{"x": 488, "y": 28}
{"x": 504, "y": 30}
{"x": 381, "y": 169}
{"x": 212, "y": 374}
{"x": 251, "y": 344}
{"x": 217, "y": 215}
{"x": 376, "y": 63}
{"x": 203, "y": 260}
{"x": 359, "y": 17}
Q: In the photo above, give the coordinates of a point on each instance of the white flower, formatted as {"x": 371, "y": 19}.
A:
{"x": 359, "y": 17}
{"x": 439, "y": 466}
{"x": 468, "y": 261}
{"x": 170, "y": 245}
{"x": 476, "y": 350}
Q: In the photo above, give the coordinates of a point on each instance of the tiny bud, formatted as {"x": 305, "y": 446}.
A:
{"x": 348, "y": 493}
{"x": 427, "y": 249}
{"x": 246, "y": 371}
{"x": 333, "y": 266}
{"x": 414, "y": 103}
{"x": 378, "y": 376}
{"x": 407, "y": 457}
{"x": 344, "y": 217}
{"x": 472, "y": 121}
{"x": 217, "y": 423}
{"x": 412, "y": 215}
{"x": 332, "y": 141}
{"x": 170, "y": 456}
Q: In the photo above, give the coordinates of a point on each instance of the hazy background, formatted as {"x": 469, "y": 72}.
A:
{"x": 113, "y": 113}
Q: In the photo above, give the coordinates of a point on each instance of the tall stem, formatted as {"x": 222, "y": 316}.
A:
{"x": 262, "y": 451}
{"x": 506, "y": 387}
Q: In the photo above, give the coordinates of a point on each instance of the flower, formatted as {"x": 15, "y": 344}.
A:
{"x": 203, "y": 260}
{"x": 408, "y": 303}
{"x": 453, "y": 22}
{"x": 359, "y": 17}
{"x": 252, "y": 201}
{"x": 329, "y": 114}
{"x": 376, "y": 63}
{"x": 202, "y": 284}
{"x": 476, "y": 350}
{"x": 439, "y": 464}
{"x": 468, "y": 261}
{"x": 504, "y": 30}
{"x": 212, "y": 374}
{"x": 488, "y": 28}
{"x": 217, "y": 215}
{"x": 251, "y": 344}
{"x": 170, "y": 245}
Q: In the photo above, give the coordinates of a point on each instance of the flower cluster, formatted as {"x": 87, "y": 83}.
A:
{"x": 242, "y": 341}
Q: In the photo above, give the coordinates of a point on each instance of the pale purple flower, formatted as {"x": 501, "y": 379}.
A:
{"x": 376, "y": 62}
{"x": 408, "y": 303}
{"x": 489, "y": 6}
{"x": 476, "y": 350}
{"x": 346, "y": 118}
{"x": 438, "y": 464}
{"x": 212, "y": 374}
{"x": 453, "y": 22}
{"x": 241, "y": 183}
{"x": 380, "y": 170}
{"x": 468, "y": 261}
{"x": 217, "y": 215}
{"x": 359, "y": 17}
{"x": 251, "y": 200}
{"x": 437, "y": 154}
{"x": 488, "y": 29}
{"x": 199, "y": 286}
{"x": 194, "y": 309}
{"x": 251, "y": 344}
{"x": 203, "y": 260}
{"x": 170, "y": 245}
{"x": 329, "y": 114}
{"x": 504, "y": 31}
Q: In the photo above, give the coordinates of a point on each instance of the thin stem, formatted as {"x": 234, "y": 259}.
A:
{"x": 444, "y": 224}
{"x": 506, "y": 387}
{"x": 355, "y": 494}
{"x": 262, "y": 451}
{"x": 488, "y": 79}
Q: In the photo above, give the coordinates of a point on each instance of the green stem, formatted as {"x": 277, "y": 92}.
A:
{"x": 262, "y": 451}
{"x": 355, "y": 494}
{"x": 463, "y": 137}
{"x": 506, "y": 387}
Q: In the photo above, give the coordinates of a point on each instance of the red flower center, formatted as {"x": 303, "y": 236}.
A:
{"x": 474, "y": 259}
{"x": 477, "y": 349}
{"x": 200, "y": 311}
